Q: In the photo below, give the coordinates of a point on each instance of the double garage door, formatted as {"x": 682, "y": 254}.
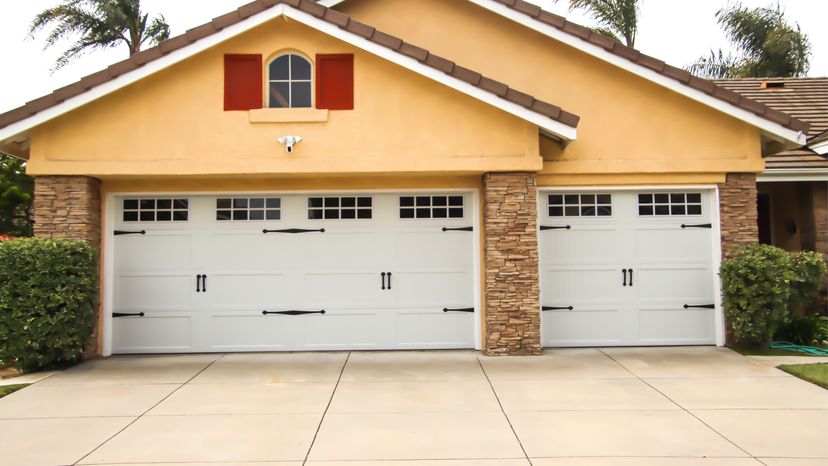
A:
{"x": 293, "y": 272}
{"x": 623, "y": 268}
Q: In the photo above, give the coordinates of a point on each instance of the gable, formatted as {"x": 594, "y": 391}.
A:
{"x": 174, "y": 122}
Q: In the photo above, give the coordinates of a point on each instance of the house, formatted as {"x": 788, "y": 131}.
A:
{"x": 793, "y": 189}
{"x": 367, "y": 174}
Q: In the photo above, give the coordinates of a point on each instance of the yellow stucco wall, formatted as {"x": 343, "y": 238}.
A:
{"x": 173, "y": 123}
{"x": 628, "y": 124}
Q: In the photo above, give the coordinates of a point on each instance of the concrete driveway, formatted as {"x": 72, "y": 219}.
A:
{"x": 659, "y": 406}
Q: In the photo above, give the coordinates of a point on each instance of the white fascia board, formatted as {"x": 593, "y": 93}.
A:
{"x": 793, "y": 174}
{"x": 820, "y": 148}
{"x": 557, "y": 128}
{"x": 774, "y": 130}
{"x": 545, "y": 123}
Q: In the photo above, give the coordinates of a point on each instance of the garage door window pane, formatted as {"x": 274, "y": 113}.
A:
{"x": 241, "y": 209}
{"x": 432, "y": 207}
{"x": 155, "y": 210}
{"x": 340, "y": 208}
{"x": 579, "y": 205}
{"x": 669, "y": 204}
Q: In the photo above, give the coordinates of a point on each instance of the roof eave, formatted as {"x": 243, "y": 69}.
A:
{"x": 793, "y": 174}
{"x": 820, "y": 148}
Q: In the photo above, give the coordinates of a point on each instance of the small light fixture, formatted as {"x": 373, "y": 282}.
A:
{"x": 289, "y": 142}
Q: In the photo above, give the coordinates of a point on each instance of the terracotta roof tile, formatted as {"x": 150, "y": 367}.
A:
{"x": 335, "y": 18}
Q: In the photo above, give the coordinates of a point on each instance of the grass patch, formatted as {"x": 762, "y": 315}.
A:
{"x": 815, "y": 373}
{"x": 9, "y": 389}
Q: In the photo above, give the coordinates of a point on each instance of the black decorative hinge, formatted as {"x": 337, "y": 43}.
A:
{"x": 292, "y": 312}
{"x": 556, "y": 308}
{"x": 294, "y": 231}
{"x": 458, "y": 229}
{"x": 130, "y": 232}
{"x": 459, "y": 309}
{"x": 700, "y": 306}
{"x": 127, "y": 314}
{"x": 562, "y": 227}
{"x": 700, "y": 225}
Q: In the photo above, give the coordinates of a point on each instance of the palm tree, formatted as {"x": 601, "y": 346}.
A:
{"x": 767, "y": 46}
{"x": 616, "y": 18}
{"x": 100, "y": 24}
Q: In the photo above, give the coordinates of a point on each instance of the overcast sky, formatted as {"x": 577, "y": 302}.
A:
{"x": 676, "y": 31}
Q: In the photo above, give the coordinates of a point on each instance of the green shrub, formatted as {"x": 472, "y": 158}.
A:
{"x": 806, "y": 330}
{"x": 756, "y": 292}
{"x": 808, "y": 277}
{"x": 48, "y": 301}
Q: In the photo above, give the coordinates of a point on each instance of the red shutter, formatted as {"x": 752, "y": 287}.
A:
{"x": 335, "y": 82}
{"x": 242, "y": 82}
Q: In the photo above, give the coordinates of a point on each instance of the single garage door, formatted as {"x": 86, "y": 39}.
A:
{"x": 627, "y": 267}
{"x": 293, "y": 272}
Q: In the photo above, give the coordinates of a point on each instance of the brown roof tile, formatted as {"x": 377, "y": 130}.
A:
{"x": 637, "y": 57}
{"x": 417, "y": 53}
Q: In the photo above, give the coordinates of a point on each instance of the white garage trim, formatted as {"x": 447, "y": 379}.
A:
{"x": 715, "y": 231}
{"x": 108, "y": 252}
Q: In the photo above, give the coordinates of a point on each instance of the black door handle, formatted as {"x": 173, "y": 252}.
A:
{"x": 204, "y": 283}
{"x": 294, "y": 231}
{"x": 700, "y": 225}
{"x": 625, "y": 277}
{"x": 557, "y": 308}
{"x": 130, "y": 232}
{"x": 700, "y": 306}
{"x": 127, "y": 314}
{"x": 631, "y": 272}
{"x": 383, "y": 280}
{"x": 458, "y": 229}
{"x": 459, "y": 309}
{"x": 198, "y": 283}
{"x": 389, "y": 280}
{"x": 292, "y": 312}
{"x": 562, "y": 227}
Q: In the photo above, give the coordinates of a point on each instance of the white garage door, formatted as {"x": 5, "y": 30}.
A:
{"x": 627, "y": 267}
{"x": 293, "y": 272}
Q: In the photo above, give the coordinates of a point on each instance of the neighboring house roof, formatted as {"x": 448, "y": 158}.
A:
{"x": 803, "y": 98}
{"x": 550, "y": 118}
{"x": 773, "y": 122}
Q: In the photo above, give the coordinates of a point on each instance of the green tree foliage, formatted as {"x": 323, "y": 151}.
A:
{"x": 48, "y": 301}
{"x": 768, "y": 46}
{"x": 16, "y": 191}
{"x": 100, "y": 24}
{"x": 616, "y": 18}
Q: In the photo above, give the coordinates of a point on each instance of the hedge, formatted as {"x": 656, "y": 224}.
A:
{"x": 48, "y": 301}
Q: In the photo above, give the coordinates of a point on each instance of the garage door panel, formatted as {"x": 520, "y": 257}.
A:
{"x": 151, "y": 334}
{"x": 343, "y": 249}
{"x": 672, "y": 244}
{"x": 234, "y": 332}
{"x": 674, "y": 284}
{"x": 433, "y": 288}
{"x": 342, "y": 329}
{"x": 582, "y": 327}
{"x": 424, "y": 329}
{"x": 251, "y": 289}
{"x": 433, "y": 249}
{"x": 676, "y": 326}
{"x": 154, "y": 251}
{"x": 251, "y": 251}
{"x": 154, "y": 291}
{"x": 581, "y": 285}
{"x": 335, "y": 288}
{"x": 580, "y": 245}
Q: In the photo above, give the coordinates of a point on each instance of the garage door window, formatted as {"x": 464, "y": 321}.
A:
{"x": 580, "y": 205}
{"x": 340, "y": 208}
{"x": 155, "y": 210}
{"x": 669, "y": 204}
{"x": 248, "y": 208}
{"x": 431, "y": 207}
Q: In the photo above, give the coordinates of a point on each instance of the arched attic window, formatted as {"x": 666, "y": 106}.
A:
{"x": 290, "y": 82}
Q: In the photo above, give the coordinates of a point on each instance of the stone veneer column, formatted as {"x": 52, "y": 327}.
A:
{"x": 819, "y": 192}
{"x": 512, "y": 314}
{"x": 739, "y": 219}
{"x": 70, "y": 207}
